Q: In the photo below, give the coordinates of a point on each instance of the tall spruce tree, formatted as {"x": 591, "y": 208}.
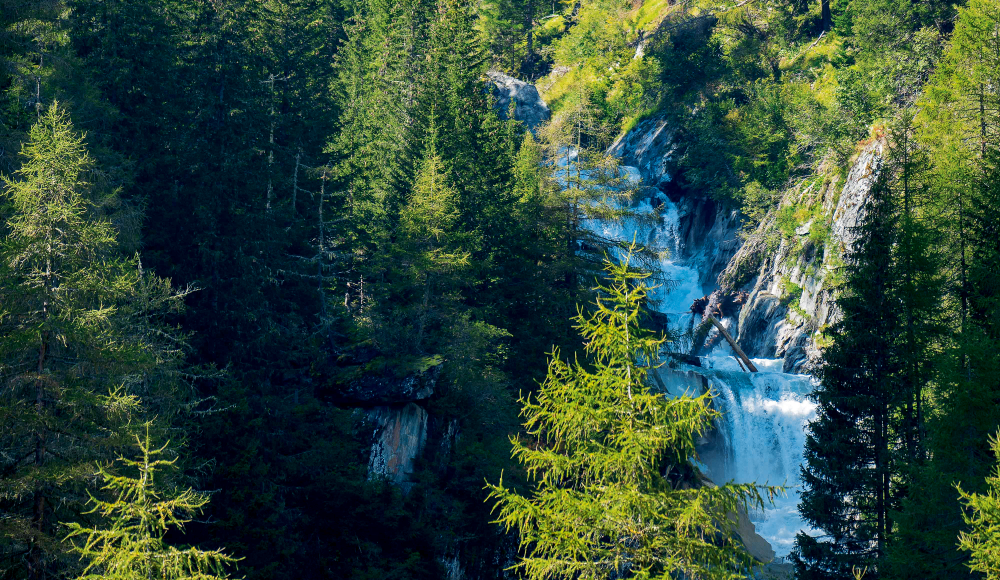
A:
{"x": 922, "y": 333}
{"x": 920, "y": 289}
{"x": 615, "y": 491}
{"x": 966, "y": 375}
{"x": 865, "y": 450}
{"x": 848, "y": 493}
{"x": 83, "y": 349}
{"x": 373, "y": 91}
{"x": 961, "y": 124}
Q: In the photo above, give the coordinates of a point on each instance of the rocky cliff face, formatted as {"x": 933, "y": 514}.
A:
{"x": 791, "y": 297}
{"x": 648, "y": 147}
{"x": 399, "y": 437}
{"x": 403, "y": 433}
{"x": 707, "y": 236}
{"x": 786, "y": 267}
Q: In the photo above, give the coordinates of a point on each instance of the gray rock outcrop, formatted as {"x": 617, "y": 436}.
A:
{"x": 529, "y": 108}
{"x": 649, "y": 146}
{"x": 757, "y": 546}
{"x": 399, "y": 437}
{"x": 677, "y": 382}
{"x": 790, "y": 297}
{"x": 851, "y": 204}
{"x": 709, "y": 237}
{"x": 387, "y": 389}
{"x": 707, "y": 231}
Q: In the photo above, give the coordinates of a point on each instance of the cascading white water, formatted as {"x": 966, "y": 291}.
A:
{"x": 683, "y": 285}
{"x": 764, "y": 414}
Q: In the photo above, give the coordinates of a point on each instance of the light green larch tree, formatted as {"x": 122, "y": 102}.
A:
{"x": 982, "y": 516}
{"x": 131, "y": 546}
{"x": 432, "y": 247}
{"x": 615, "y": 492}
{"x": 85, "y": 351}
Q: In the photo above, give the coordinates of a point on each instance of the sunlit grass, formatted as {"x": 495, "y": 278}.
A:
{"x": 650, "y": 14}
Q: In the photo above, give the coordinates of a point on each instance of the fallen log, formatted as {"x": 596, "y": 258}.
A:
{"x": 736, "y": 347}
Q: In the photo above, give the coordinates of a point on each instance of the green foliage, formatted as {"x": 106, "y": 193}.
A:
{"x": 961, "y": 140}
{"x": 870, "y": 435}
{"x": 84, "y": 351}
{"x": 792, "y": 291}
{"x": 981, "y": 540}
{"x": 280, "y": 153}
{"x": 764, "y": 136}
{"x": 607, "y": 497}
{"x": 132, "y": 546}
{"x": 845, "y": 468}
{"x": 598, "y": 31}
{"x": 790, "y": 218}
{"x": 931, "y": 517}
{"x": 431, "y": 248}
{"x": 757, "y": 204}
{"x": 511, "y": 32}
{"x": 791, "y": 295}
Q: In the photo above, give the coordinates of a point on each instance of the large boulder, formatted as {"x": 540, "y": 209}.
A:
{"x": 757, "y": 546}
{"x": 529, "y": 108}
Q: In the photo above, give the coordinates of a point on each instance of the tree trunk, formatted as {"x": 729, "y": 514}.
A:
{"x": 827, "y": 16}
{"x": 982, "y": 120}
{"x": 295, "y": 181}
{"x": 732, "y": 342}
{"x": 424, "y": 309}
{"x": 529, "y": 58}
{"x": 35, "y": 564}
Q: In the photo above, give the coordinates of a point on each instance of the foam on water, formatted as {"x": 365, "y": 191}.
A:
{"x": 682, "y": 282}
{"x": 764, "y": 417}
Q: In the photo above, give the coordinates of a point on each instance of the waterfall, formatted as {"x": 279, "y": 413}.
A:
{"x": 764, "y": 414}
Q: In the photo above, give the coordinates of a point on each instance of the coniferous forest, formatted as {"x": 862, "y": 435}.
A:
{"x": 403, "y": 289}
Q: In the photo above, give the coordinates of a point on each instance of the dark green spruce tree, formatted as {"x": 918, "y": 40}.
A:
{"x": 865, "y": 451}
{"x": 848, "y": 493}
{"x": 374, "y": 91}
{"x": 432, "y": 253}
{"x": 966, "y": 374}
{"x": 963, "y": 122}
